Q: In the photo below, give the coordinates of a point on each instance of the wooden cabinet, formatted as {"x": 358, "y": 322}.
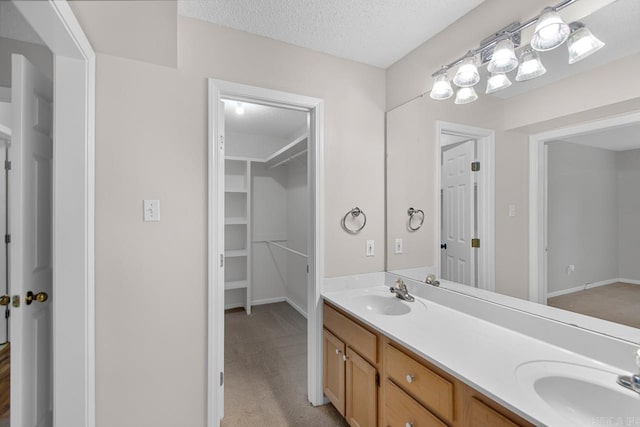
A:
{"x": 414, "y": 393}
{"x": 361, "y": 390}
{"x": 334, "y": 369}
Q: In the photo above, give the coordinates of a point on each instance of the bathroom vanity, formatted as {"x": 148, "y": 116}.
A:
{"x": 389, "y": 362}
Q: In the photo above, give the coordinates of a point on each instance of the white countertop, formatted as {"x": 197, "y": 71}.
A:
{"x": 483, "y": 355}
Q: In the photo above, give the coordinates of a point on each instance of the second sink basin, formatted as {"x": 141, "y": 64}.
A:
{"x": 582, "y": 394}
{"x": 379, "y": 304}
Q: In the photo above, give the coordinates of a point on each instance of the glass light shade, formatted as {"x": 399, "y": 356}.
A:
{"x": 467, "y": 74}
{"x": 551, "y": 31}
{"x": 441, "y": 88}
{"x": 581, "y": 44}
{"x": 530, "y": 66}
{"x": 466, "y": 95}
{"x": 497, "y": 82}
{"x": 504, "y": 58}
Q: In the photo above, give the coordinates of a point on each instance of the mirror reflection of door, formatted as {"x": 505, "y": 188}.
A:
{"x": 459, "y": 213}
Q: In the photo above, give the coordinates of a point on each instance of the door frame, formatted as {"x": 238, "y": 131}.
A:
{"x": 219, "y": 89}
{"x": 486, "y": 197}
{"x": 73, "y": 209}
{"x": 538, "y": 169}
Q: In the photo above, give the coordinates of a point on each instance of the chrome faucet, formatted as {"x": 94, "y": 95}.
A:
{"x": 431, "y": 280}
{"x": 632, "y": 382}
{"x": 400, "y": 289}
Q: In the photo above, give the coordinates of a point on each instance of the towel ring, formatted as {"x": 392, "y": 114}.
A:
{"x": 355, "y": 212}
{"x": 411, "y": 212}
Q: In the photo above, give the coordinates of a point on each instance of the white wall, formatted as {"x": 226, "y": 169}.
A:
{"x": 628, "y": 165}
{"x": 582, "y": 215}
{"x": 297, "y": 229}
{"x": 38, "y": 55}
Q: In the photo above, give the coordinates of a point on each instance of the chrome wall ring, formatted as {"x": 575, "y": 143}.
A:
{"x": 415, "y": 212}
{"x": 355, "y": 212}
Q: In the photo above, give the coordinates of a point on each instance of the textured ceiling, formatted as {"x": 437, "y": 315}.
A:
{"x": 263, "y": 120}
{"x": 375, "y": 32}
{"x": 621, "y": 138}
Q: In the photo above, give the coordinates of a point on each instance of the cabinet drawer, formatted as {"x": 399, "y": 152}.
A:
{"x": 429, "y": 388}
{"x": 480, "y": 415}
{"x": 401, "y": 410}
{"x": 357, "y": 337}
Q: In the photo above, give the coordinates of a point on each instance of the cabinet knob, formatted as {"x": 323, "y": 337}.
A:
{"x": 345, "y": 357}
{"x": 408, "y": 424}
{"x": 410, "y": 378}
{"x": 338, "y": 351}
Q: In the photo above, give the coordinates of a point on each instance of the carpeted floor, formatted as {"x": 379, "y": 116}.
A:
{"x": 617, "y": 302}
{"x": 266, "y": 371}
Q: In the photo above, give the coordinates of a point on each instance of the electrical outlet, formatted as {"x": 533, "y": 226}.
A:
{"x": 151, "y": 210}
{"x": 398, "y": 246}
{"x": 570, "y": 269}
{"x": 370, "y": 248}
{"x": 512, "y": 210}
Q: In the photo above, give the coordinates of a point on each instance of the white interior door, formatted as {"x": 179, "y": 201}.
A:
{"x": 458, "y": 213}
{"x": 30, "y": 251}
{"x": 220, "y": 229}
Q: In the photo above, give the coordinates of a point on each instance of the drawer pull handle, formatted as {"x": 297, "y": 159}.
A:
{"x": 408, "y": 424}
{"x": 410, "y": 378}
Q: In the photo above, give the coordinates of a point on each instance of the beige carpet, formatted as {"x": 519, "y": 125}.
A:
{"x": 266, "y": 370}
{"x": 617, "y": 302}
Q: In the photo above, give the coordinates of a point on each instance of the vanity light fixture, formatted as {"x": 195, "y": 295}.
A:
{"x": 497, "y": 82}
{"x": 551, "y": 31}
{"x": 581, "y": 43}
{"x": 466, "y": 95}
{"x": 530, "y": 66}
{"x": 441, "y": 86}
{"x": 504, "y": 58}
{"x": 239, "y": 109}
{"x": 467, "y": 74}
{"x": 498, "y": 52}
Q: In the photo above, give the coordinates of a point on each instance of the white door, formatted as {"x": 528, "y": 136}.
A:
{"x": 30, "y": 250}
{"x": 220, "y": 233}
{"x": 458, "y": 213}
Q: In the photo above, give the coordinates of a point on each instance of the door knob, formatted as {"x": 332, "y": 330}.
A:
{"x": 5, "y": 300}
{"x": 40, "y": 297}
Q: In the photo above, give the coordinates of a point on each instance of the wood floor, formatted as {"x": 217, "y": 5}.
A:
{"x": 617, "y": 302}
{"x": 266, "y": 371}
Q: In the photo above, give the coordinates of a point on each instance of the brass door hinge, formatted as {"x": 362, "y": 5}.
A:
{"x": 475, "y": 166}
{"x": 475, "y": 243}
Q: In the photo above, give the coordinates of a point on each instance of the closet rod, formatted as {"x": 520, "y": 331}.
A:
{"x": 286, "y": 248}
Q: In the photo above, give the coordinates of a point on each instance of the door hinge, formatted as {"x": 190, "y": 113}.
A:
{"x": 307, "y": 268}
{"x": 377, "y": 379}
{"x": 475, "y": 243}
{"x": 7, "y": 238}
{"x": 475, "y": 166}
{"x": 221, "y": 260}
{"x": 7, "y": 165}
{"x": 7, "y": 313}
{"x": 221, "y": 379}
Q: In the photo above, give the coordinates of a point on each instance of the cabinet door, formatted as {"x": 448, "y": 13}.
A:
{"x": 333, "y": 372}
{"x": 362, "y": 391}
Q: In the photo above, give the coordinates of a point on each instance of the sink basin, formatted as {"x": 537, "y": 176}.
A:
{"x": 379, "y": 304}
{"x": 581, "y": 394}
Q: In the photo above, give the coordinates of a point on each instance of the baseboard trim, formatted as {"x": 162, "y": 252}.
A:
{"x": 297, "y": 308}
{"x": 591, "y": 286}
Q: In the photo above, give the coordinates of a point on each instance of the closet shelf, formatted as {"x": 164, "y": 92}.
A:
{"x": 296, "y": 148}
{"x": 235, "y": 221}
{"x": 238, "y": 284}
{"x": 236, "y": 253}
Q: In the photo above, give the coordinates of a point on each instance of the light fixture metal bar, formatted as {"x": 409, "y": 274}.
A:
{"x": 506, "y": 31}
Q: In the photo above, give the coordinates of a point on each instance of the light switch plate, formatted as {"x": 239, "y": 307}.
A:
{"x": 398, "y": 246}
{"x": 151, "y": 210}
{"x": 512, "y": 210}
{"x": 370, "y": 248}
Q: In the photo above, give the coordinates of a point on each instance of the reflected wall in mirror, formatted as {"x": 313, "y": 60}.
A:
{"x": 520, "y": 120}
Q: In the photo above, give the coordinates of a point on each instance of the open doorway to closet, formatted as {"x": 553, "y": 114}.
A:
{"x": 266, "y": 257}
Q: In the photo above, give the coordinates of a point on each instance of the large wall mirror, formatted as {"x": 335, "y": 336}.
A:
{"x": 533, "y": 191}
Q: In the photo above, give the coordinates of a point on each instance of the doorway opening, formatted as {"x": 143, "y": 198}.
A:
{"x": 465, "y": 197}
{"x": 266, "y": 252}
{"x": 584, "y": 241}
